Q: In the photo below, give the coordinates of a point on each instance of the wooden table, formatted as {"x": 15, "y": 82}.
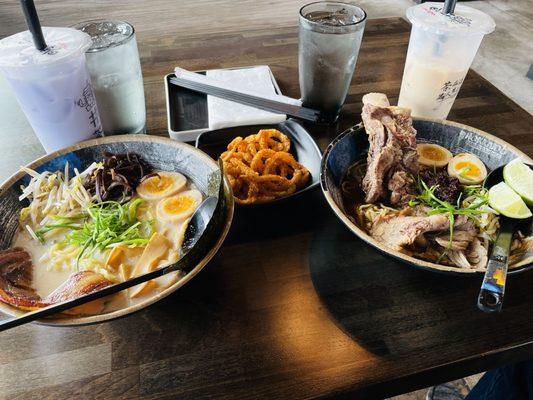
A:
{"x": 293, "y": 306}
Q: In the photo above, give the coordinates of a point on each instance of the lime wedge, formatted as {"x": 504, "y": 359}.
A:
{"x": 505, "y": 200}
{"x": 520, "y": 178}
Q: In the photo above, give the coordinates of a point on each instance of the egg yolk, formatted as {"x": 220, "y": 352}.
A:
{"x": 432, "y": 153}
{"x": 158, "y": 184}
{"x": 469, "y": 168}
{"x": 178, "y": 204}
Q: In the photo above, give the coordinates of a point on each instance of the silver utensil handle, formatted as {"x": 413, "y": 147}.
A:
{"x": 263, "y": 103}
{"x": 493, "y": 287}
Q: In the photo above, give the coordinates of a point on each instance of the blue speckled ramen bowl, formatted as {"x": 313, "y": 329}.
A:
{"x": 163, "y": 153}
{"x": 352, "y": 146}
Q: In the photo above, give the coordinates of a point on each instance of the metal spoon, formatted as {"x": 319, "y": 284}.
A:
{"x": 490, "y": 297}
{"x": 195, "y": 229}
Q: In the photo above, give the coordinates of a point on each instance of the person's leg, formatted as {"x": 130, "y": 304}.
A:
{"x": 511, "y": 382}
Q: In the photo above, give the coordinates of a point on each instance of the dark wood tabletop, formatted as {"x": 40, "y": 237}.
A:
{"x": 293, "y": 306}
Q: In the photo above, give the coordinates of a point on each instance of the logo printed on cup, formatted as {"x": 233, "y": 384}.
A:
{"x": 87, "y": 101}
{"x": 458, "y": 19}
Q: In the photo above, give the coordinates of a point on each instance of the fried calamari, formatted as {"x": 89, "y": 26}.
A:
{"x": 260, "y": 168}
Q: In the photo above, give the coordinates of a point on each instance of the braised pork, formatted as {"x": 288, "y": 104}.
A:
{"x": 464, "y": 233}
{"x": 397, "y": 232}
{"x": 392, "y": 157}
{"x": 460, "y": 240}
{"x": 16, "y": 276}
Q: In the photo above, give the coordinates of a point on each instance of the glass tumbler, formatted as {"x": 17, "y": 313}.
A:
{"x": 329, "y": 41}
{"x": 115, "y": 69}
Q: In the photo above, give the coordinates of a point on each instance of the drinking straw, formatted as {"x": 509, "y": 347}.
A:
{"x": 449, "y": 7}
{"x": 32, "y": 20}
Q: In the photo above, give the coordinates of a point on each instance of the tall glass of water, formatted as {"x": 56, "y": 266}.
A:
{"x": 330, "y": 38}
{"x": 115, "y": 68}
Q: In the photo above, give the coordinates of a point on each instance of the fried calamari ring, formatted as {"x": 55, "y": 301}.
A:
{"x": 274, "y": 140}
{"x": 260, "y": 168}
{"x": 280, "y": 162}
{"x": 260, "y": 158}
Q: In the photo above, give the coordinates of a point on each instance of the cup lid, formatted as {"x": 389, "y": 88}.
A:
{"x": 464, "y": 21}
{"x": 18, "y": 50}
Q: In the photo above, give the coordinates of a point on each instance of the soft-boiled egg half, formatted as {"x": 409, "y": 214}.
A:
{"x": 469, "y": 169}
{"x": 162, "y": 185}
{"x": 179, "y": 207}
{"x": 433, "y": 155}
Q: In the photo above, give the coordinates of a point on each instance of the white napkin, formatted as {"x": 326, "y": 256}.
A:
{"x": 225, "y": 113}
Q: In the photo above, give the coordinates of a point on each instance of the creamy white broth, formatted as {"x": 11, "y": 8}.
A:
{"x": 44, "y": 281}
{"x": 47, "y": 277}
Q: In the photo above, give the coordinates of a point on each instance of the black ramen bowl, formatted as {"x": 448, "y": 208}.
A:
{"x": 303, "y": 148}
{"x": 164, "y": 154}
{"x": 352, "y": 146}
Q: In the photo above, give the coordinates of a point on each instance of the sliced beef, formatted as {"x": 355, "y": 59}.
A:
{"x": 392, "y": 156}
{"x": 460, "y": 240}
{"x": 459, "y": 259}
{"x": 420, "y": 233}
{"x": 466, "y": 250}
{"x": 477, "y": 254}
{"x": 401, "y": 187}
{"x": 464, "y": 233}
{"x": 383, "y": 153}
{"x": 400, "y": 231}
{"x": 462, "y": 223}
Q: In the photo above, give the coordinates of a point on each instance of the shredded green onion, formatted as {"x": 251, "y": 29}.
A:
{"x": 103, "y": 226}
{"x": 428, "y": 198}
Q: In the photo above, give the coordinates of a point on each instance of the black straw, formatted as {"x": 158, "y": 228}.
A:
{"x": 449, "y": 7}
{"x": 32, "y": 20}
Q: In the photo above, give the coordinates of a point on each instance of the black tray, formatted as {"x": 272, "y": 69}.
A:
{"x": 303, "y": 147}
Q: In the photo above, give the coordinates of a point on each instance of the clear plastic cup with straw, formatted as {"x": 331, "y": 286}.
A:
{"x": 441, "y": 50}
{"x": 47, "y": 72}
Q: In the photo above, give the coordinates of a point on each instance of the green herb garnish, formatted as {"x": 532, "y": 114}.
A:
{"x": 428, "y": 198}
{"x": 103, "y": 226}
{"x": 462, "y": 173}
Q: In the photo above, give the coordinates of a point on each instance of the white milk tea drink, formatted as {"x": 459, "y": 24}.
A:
{"x": 441, "y": 50}
{"x": 53, "y": 87}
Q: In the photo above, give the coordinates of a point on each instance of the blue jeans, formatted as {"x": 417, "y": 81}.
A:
{"x": 511, "y": 382}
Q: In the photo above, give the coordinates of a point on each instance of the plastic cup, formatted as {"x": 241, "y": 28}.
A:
{"x": 441, "y": 50}
{"x": 53, "y": 87}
